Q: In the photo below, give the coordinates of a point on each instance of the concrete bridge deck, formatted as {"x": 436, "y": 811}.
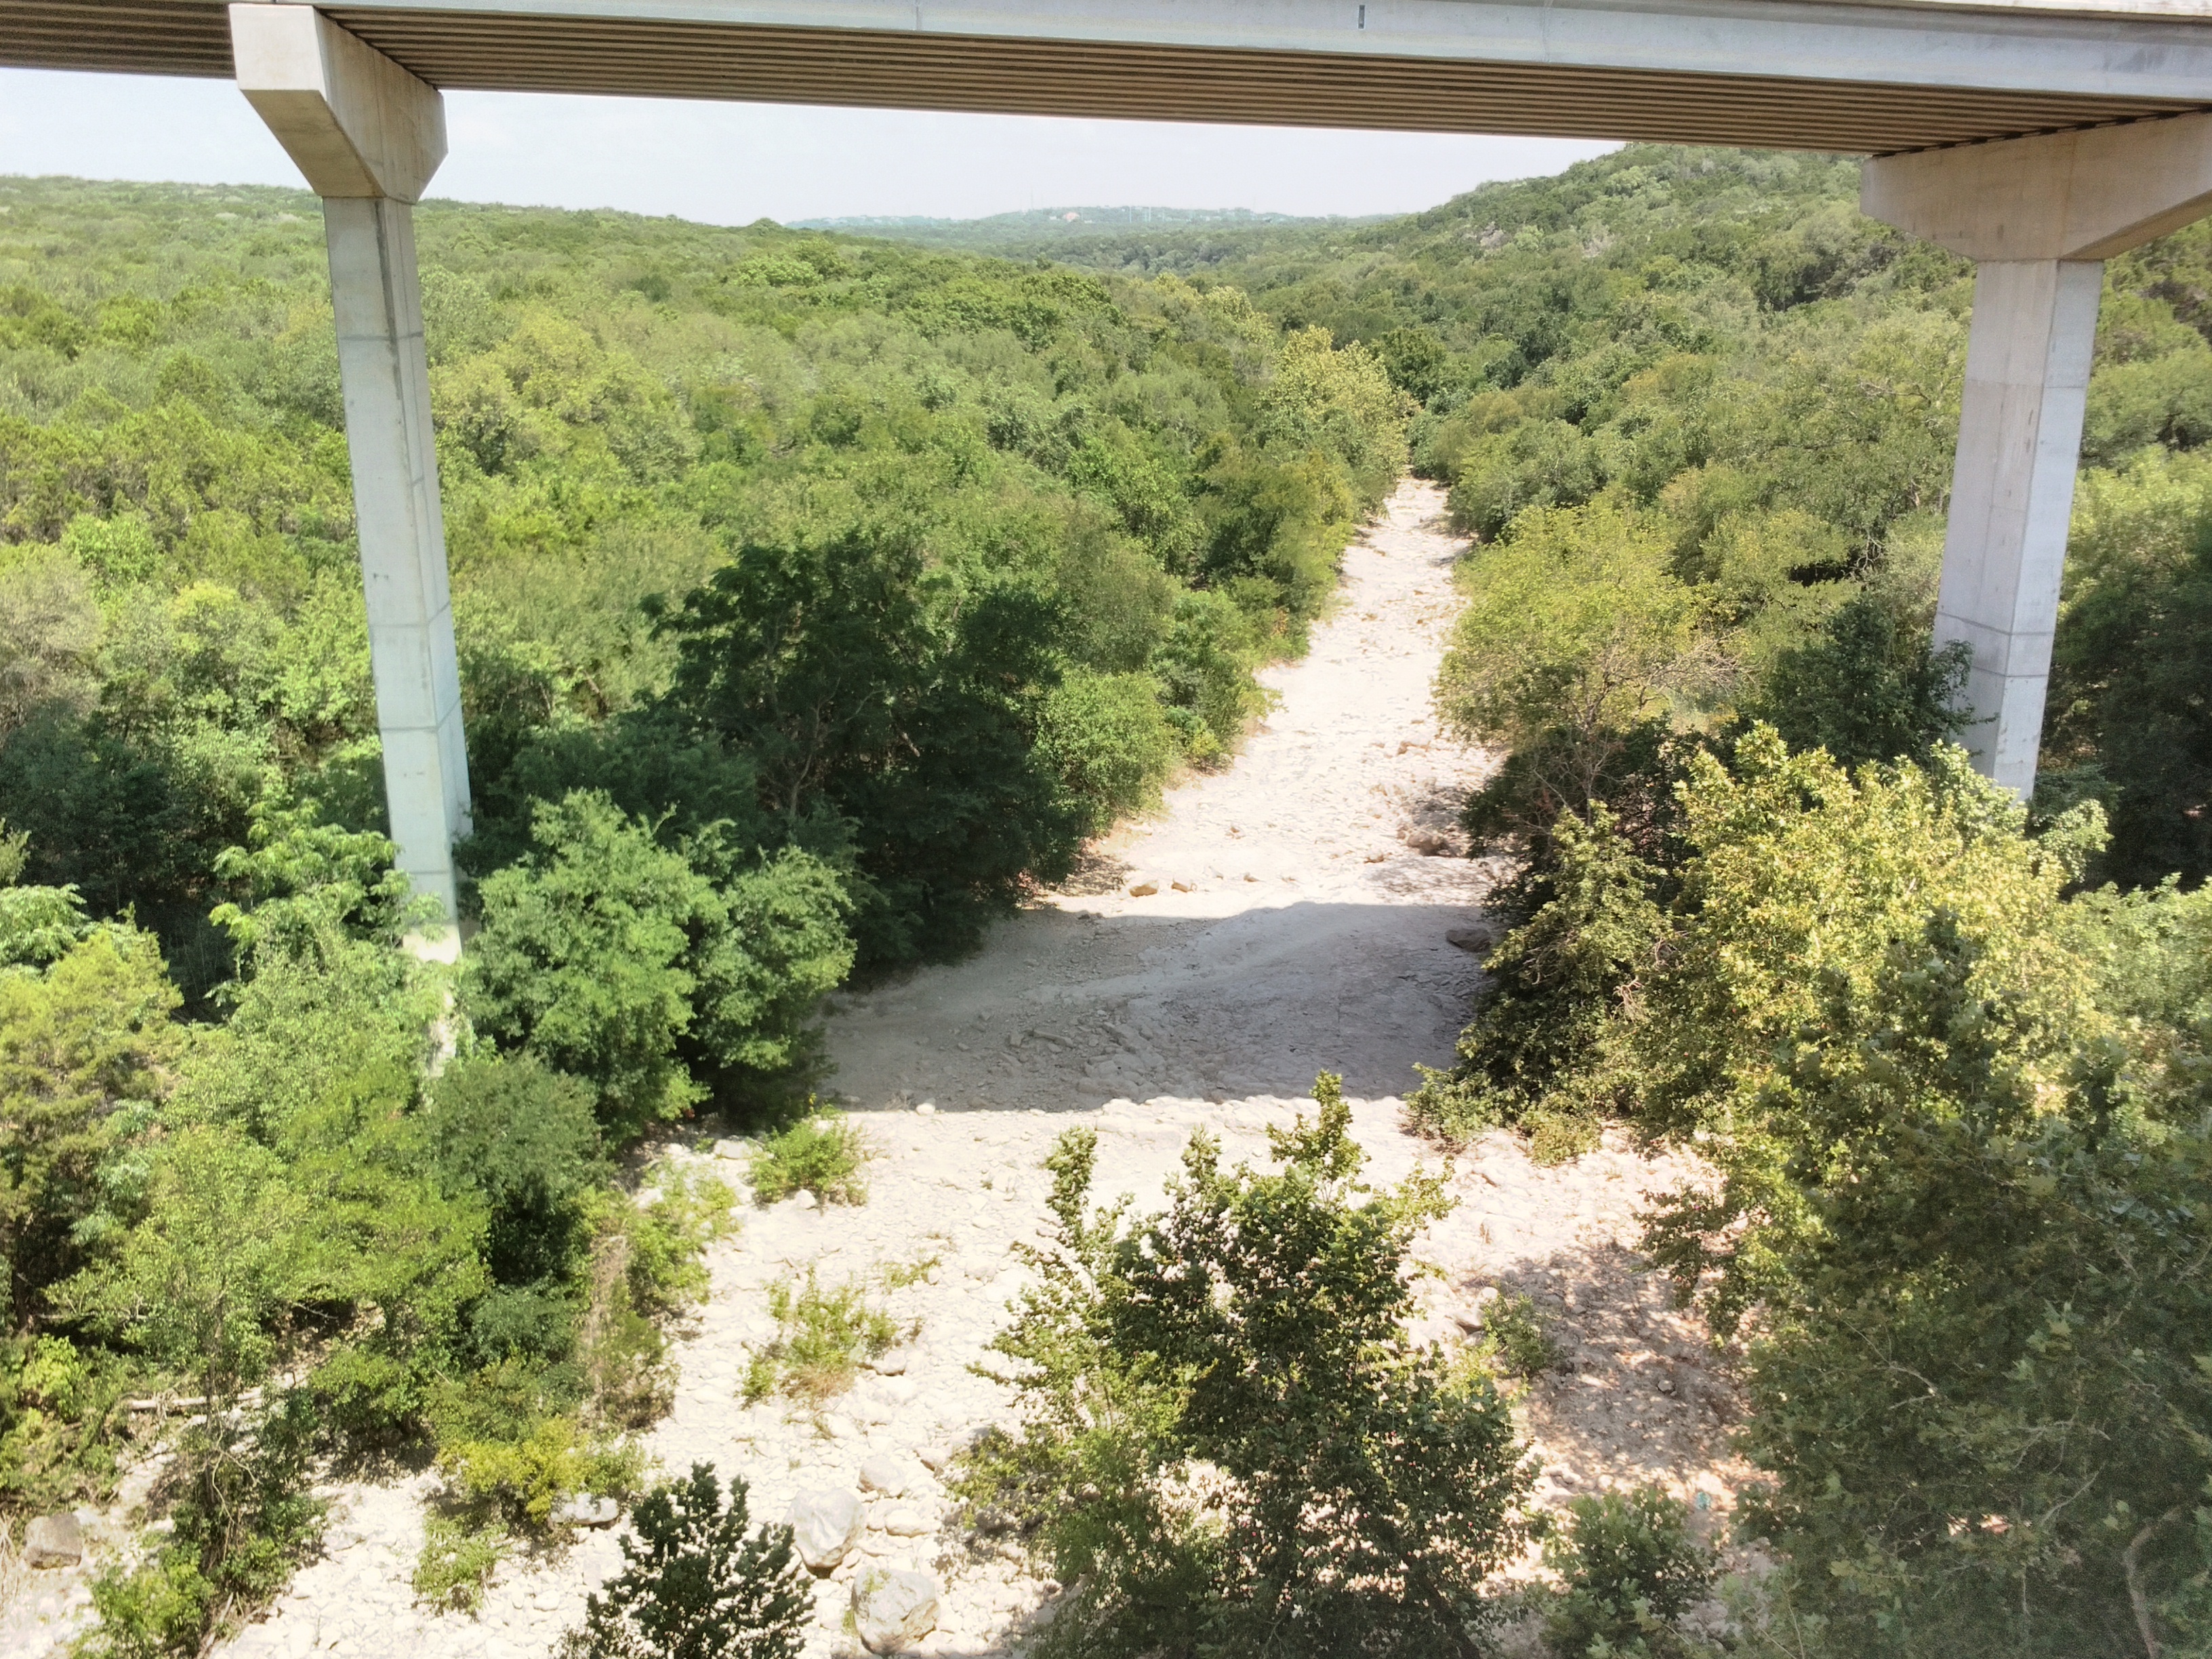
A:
{"x": 1845, "y": 76}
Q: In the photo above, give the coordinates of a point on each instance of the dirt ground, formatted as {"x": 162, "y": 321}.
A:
{"x": 1300, "y": 917}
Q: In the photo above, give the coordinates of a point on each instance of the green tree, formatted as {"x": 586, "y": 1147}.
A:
{"x": 84, "y": 1046}
{"x": 694, "y": 1585}
{"x": 1230, "y": 1444}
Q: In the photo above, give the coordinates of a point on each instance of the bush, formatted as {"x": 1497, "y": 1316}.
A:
{"x": 1230, "y": 1445}
{"x": 1111, "y": 743}
{"x": 603, "y": 951}
{"x": 1540, "y": 1050}
{"x": 1516, "y": 1333}
{"x": 867, "y": 686}
{"x": 645, "y": 1265}
{"x": 522, "y": 1138}
{"x": 695, "y": 1586}
{"x": 243, "y": 1520}
{"x": 821, "y": 1338}
{"x": 1630, "y": 1569}
{"x": 520, "y": 1482}
{"x": 1203, "y": 660}
{"x": 456, "y": 1562}
{"x": 822, "y": 1153}
{"x": 1864, "y": 689}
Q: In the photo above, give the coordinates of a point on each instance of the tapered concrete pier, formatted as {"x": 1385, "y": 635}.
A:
{"x": 2038, "y": 217}
{"x": 369, "y": 136}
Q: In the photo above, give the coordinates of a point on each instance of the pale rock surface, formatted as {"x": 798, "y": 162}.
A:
{"x": 892, "y": 1611}
{"x": 53, "y": 1540}
{"x": 824, "y": 1525}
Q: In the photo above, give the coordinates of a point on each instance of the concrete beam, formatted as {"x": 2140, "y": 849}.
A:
{"x": 358, "y": 125}
{"x": 2057, "y": 195}
{"x": 368, "y": 136}
{"x": 2039, "y": 215}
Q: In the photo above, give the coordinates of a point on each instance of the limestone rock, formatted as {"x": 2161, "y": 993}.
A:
{"x": 904, "y": 1521}
{"x": 1144, "y": 890}
{"x": 935, "y": 1459}
{"x": 53, "y": 1540}
{"x": 824, "y": 1525}
{"x": 804, "y": 1200}
{"x": 583, "y": 1512}
{"x": 890, "y": 1365}
{"x": 732, "y": 1149}
{"x": 892, "y": 1611}
{"x": 881, "y": 1473}
{"x": 1476, "y": 941}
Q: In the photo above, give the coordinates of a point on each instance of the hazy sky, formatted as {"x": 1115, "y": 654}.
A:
{"x": 733, "y": 163}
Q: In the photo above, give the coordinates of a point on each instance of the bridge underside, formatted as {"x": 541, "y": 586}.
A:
{"x": 613, "y": 49}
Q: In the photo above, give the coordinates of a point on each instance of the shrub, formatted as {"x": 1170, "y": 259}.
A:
{"x": 695, "y": 1585}
{"x": 867, "y": 686}
{"x": 456, "y": 1563}
{"x": 1111, "y": 743}
{"x": 1630, "y": 1569}
{"x": 522, "y": 1481}
{"x": 645, "y": 1265}
{"x": 522, "y": 1137}
{"x": 822, "y": 1153}
{"x": 1864, "y": 689}
{"x": 1203, "y": 660}
{"x": 1539, "y": 1049}
{"x": 244, "y": 1519}
{"x": 1516, "y": 1334}
{"x": 1230, "y": 1444}
{"x": 821, "y": 1338}
{"x": 603, "y": 951}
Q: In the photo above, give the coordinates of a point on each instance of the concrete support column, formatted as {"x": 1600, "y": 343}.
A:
{"x": 2038, "y": 217}
{"x": 368, "y": 136}
{"x": 2012, "y": 497}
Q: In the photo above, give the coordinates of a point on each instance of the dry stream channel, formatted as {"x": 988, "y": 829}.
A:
{"x": 1291, "y": 914}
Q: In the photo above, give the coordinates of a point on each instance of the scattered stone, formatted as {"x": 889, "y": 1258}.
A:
{"x": 900, "y": 1390}
{"x": 735, "y": 1151}
{"x": 804, "y": 1200}
{"x": 904, "y": 1521}
{"x": 1144, "y": 890}
{"x": 1180, "y": 886}
{"x": 927, "y": 1108}
{"x": 53, "y": 1540}
{"x": 582, "y": 1511}
{"x": 838, "y": 1426}
{"x": 1476, "y": 941}
{"x": 893, "y": 1363}
{"x": 893, "y": 1610}
{"x": 935, "y": 1459}
{"x": 825, "y": 1525}
{"x": 881, "y": 1473}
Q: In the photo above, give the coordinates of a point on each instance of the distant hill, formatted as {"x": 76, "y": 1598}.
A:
{"x": 1040, "y": 228}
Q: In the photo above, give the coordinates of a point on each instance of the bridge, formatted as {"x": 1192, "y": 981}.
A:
{"x": 2037, "y": 137}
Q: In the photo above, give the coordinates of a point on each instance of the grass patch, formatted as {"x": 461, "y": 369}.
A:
{"x": 456, "y": 1563}
{"x": 823, "y": 1337}
{"x": 822, "y": 1153}
{"x": 1516, "y": 1334}
{"x": 898, "y": 1275}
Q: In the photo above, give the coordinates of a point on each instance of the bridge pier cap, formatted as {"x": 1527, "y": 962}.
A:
{"x": 2038, "y": 217}
{"x": 368, "y": 136}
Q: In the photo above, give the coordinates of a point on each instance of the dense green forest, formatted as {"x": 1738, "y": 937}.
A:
{"x": 818, "y": 596}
